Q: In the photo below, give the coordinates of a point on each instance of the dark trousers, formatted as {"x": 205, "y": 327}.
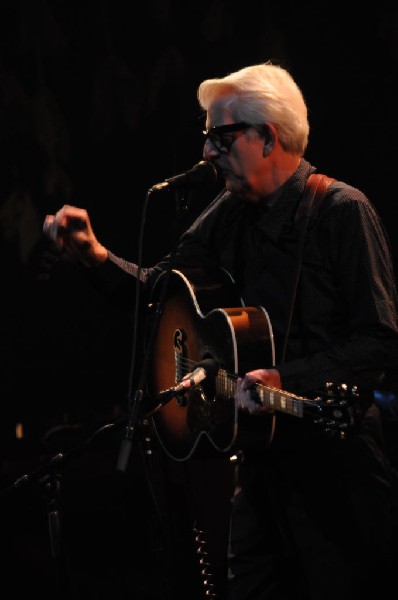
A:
{"x": 313, "y": 517}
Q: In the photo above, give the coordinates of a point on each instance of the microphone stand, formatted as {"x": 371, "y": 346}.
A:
{"x": 138, "y": 395}
{"x": 48, "y": 477}
{"x": 135, "y": 414}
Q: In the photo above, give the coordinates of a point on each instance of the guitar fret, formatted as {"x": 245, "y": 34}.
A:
{"x": 280, "y": 401}
{"x": 224, "y": 385}
{"x": 271, "y": 399}
{"x": 297, "y": 408}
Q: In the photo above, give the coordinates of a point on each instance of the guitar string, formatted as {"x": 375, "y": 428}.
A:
{"x": 222, "y": 377}
{"x": 287, "y": 400}
{"x": 189, "y": 364}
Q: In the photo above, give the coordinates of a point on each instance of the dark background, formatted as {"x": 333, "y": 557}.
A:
{"x": 98, "y": 103}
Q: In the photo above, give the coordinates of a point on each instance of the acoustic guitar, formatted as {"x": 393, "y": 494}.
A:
{"x": 198, "y": 326}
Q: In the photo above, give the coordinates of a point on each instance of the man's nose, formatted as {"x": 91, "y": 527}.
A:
{"x": 209, "y": 150}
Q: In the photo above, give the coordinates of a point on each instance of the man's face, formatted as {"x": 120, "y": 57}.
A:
{"x": 235, "y": 148}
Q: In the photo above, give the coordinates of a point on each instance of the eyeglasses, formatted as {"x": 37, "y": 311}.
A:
{"x": 221, "y": 137}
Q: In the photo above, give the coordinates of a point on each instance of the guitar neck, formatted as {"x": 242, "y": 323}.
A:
{"x": 268, "y": 397}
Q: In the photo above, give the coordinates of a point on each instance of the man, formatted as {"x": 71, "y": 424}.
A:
{"x": 311, "y": 515}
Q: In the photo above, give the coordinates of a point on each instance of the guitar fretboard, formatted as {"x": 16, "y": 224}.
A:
{"x": 267, "y": 396}
{"x": 280, "y": 401}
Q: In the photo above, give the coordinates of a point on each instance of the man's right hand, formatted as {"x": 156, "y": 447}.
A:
{"x": 70, "y": 229}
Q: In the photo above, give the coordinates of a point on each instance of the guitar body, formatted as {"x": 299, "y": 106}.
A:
{"x": 203, "y": 317}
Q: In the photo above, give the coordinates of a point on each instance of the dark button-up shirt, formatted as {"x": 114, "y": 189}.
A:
{"x": 344, "y": 326}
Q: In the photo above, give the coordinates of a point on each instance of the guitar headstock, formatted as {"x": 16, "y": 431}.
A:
{"x": 338, "y": 408}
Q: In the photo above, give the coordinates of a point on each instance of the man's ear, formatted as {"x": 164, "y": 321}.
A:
{"x": 269, "y": 140}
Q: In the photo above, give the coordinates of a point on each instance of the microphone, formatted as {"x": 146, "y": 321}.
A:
{"x": 201, "y": 174}
{"x": 206, "y": 368}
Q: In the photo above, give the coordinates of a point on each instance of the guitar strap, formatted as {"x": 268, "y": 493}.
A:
{"x": 315, "y": 190}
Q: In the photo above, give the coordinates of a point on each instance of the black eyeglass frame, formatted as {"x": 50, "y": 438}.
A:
{"x": 214, "y": 134}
